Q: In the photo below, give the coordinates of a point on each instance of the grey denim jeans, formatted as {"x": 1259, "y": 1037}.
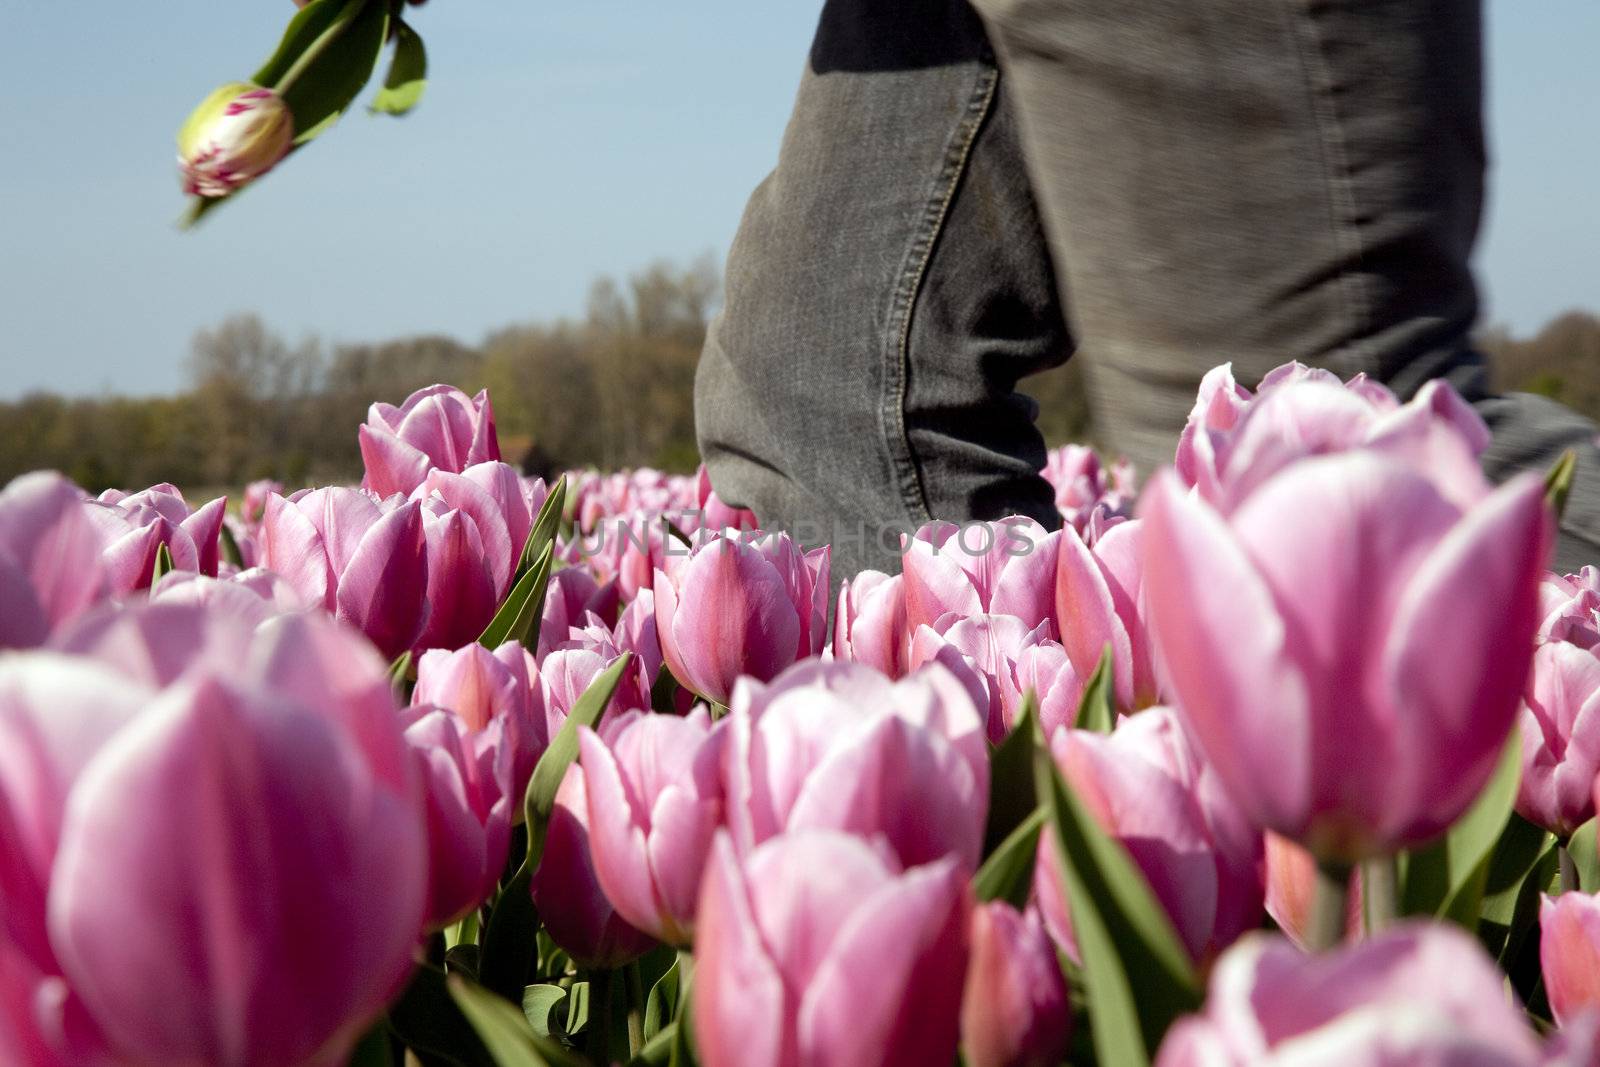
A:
{"x": 1155, "y": 186}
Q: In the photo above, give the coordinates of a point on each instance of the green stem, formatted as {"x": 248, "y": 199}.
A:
{"x": 313, "y": 51}
{"x": 1380, "y": 891}
{"x": 1569, "y": 869}
{"x": 1328, "y": 906}
{"x": 635, "y": 1009}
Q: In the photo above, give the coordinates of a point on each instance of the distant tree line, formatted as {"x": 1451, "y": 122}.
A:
{"x": 612, "y": 389}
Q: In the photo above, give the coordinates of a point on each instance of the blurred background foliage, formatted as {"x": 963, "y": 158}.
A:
{"x": 613, "y": 389}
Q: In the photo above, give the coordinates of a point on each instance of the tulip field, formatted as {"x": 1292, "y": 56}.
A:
{"x": 1287, "y": 758}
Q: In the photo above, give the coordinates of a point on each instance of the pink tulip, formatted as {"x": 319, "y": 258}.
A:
{"x": 1300, "y": 638}
{"x": 838, "y": 746}
{"x": 254, "y": 504}
{"x": 468, "y": 777}
{"x": 1569, "y": 608}
{"x": 1014, "y": 1012}
{"x": 482, "y": 688}
{"x": 571, "y": 666}
{"x": 364, "y": 561}
{"x": 475, "y": 524}
{"x": 717, "y": 515}
{"x": 1001, "y": 568}
{"x": 1148, "y": 787}
{"x": 1560, "y": 725}
{"x": 1301, "y": 412}
{"x": 1569, "y": 953}
{"x": 1420, "y": 995}
{"x": 733, "y": 607}
{"x": 817, "y": 949}
{"x": 254, "y": 595}
{"x": 571, "y": 595}
{"x": 134, "y": 526}
{"x": 869, "y": 623}
{"x": 567, "y": 892}
{"x": 281, "y": 749}
{"x": 1291, "y": 891}
{"x": 654, "y": 801}
{"x": 50, "y": 569}
{"x": 437, "y": 428}
{"x": 1099, "y": 601}
{"x": 1004, "y": 660}
{"x": 1084, "y": 487}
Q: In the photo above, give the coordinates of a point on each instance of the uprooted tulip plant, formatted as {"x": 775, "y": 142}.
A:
{"x": 1289, "y": 760}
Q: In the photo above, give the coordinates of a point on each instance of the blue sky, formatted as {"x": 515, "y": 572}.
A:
{"x": 557, "y": 142}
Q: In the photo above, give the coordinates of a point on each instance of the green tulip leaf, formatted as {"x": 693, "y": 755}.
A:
{"x": 505, "y": 1032}
{"x": 408, "y": 74}
{"x": 326, "y": 56}
{"x": 163, "y": 565}
{"x": 544, "y": 1007}
{"x": 661, "y": 1005}
{"x": 1448, "y": 878}
{"x": 373, "y": 1050}
{"x": 1585, "y": 856}
{"x": 230, "y": 547}
{"x": 1136, "y": 973}
{"x": 519, "y": 616}
{"x": 542, "y": 534}
{"x": 1097, "y": 710}
{"x": 1013, "y": 797}
{"x": 1008, "y": 872}
{"x": 1558, "y": 482}
{"x": 657, "y": 1051}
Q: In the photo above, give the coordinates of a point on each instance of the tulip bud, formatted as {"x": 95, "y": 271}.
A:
{"x": 1014, "y": 1011}
{"x": 818, "y": 949}
{"x": 1418, "y": 994}
{"x": 1560, "y": 726}
{"x": 1569, "y": 953}
{"x": 237, "y": 134}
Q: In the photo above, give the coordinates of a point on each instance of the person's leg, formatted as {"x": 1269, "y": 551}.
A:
{"x": 888, "y": 286}
{"x": 1260, "y": 181}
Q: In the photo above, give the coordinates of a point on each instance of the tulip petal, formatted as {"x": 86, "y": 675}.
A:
{"x": 392, "y": 465}
{"x": 617, "y": 842}
{"x": 1222, "y": 646}
{"x": 740, "y": 1004}
{"x": 383, "y": 591}
{"x": 292, "y": 548}
{"x": 49, "y": 539}
{"x": 908, "y": 934}
{"x": 1480, "y": 585}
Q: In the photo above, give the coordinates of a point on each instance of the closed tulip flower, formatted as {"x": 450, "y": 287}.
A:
{"x": 365, "y": 562}
{"x": 134, "y": 526}
{"x": 818, "y": 948}
{"x": 654, "y": 801}
{"x": 567, "y": 891}
{"x": 1014, "y": 1012}
{"x": 50, "y": 568}
{"x": 437, "y": 428}
{"x": 572, "y": 594}
{"x": 1420, "y": 995}
{"x": 1084, "y": 487}
{"x": 1560, "y": 725}
{"x": 281, "y": 749}
{"x": 1000, "y": 568}
{"x": 838, "y": 746}
{"x": 733, "y": 607}
{"x": 468, "y": 778}
{"x": 869, "y": 623}
{"x": 1569, "y": 608}
{"x": 482, "y": 688}
{"x": 236, "y": 135}
{"x": 1569, "y": 953}
{"x": 1148, "y": 787}
{"x": 1006, "y": 660}
{"x": 1300, "y": 636}
{"x": 1099, "y": 602}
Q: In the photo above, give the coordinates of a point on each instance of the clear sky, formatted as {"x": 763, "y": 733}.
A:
{"x": 558, "y": 141}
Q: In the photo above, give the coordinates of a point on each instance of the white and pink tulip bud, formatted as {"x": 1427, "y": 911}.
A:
{"x": 236, "y": 135}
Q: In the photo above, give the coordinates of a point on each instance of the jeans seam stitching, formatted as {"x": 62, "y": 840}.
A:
{"x": 919, "y": 254}
{"x": 1336, "y": 164}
